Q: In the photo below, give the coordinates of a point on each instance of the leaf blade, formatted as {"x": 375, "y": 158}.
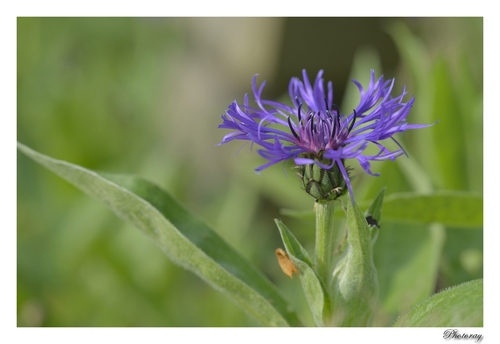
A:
{"x": 313, "y": 289}
{"x": 451, "y": 208}
{"x": 194, "y": 246}
{"x": 459, "y": 306}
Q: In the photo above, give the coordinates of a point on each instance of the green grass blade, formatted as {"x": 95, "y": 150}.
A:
{"x": 186, "y": 240}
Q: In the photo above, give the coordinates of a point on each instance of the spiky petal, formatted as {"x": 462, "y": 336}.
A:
{"x": 313, "y": 131}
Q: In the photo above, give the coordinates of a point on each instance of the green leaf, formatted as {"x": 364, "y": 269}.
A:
{"x": 460, "y": 306}
{"x": 450, "y": 94}
{"x": 413, "y": 52}
{"x": 375, "y": 209}
{"x": 292, "y": 245}
{"x": 186, "y": 240}
{"x": 450, "y": 208}
{"x": 355, "y": 280}
{"x": 374, "y": 212}
{"x": 407, "y": 258}
{"x": 311, "y": 284}
{"x": 470, "y": 102}
{"x": 449, "y": 167}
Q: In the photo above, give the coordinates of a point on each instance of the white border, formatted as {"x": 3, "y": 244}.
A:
{"x": 250, "y": 8}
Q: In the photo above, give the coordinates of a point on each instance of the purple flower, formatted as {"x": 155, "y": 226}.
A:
{"x": 313, "y": 132}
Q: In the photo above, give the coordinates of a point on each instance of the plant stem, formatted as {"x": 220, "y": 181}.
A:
{"x": 324, "y": 239}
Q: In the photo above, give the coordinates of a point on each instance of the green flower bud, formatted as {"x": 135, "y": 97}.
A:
{"x": 355, "y": 284}
{"x": 321, "y": 184}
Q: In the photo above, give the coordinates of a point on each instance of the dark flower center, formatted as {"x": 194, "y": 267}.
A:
{"x": 321, "y": 130}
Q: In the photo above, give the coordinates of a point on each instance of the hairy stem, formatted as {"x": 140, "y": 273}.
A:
{"x": 324, "y": 239}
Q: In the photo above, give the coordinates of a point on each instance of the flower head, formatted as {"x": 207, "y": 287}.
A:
{"x": 316, "y": 135}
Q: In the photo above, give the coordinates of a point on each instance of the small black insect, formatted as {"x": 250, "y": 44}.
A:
{"x": 371, "y": 221}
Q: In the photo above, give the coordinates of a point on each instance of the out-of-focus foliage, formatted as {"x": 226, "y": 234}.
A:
{"x": 143, "y": 96}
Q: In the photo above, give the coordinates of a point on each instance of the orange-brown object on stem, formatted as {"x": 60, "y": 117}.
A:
{"x": 285, "y": 263}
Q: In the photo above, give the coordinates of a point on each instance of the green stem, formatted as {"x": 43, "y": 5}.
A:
{"x": 324, "y": 239}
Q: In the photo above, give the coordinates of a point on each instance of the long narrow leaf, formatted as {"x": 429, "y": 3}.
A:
{"x": 185, "y": 239}
{"x": 450, "y": 208}
{"x": 315, "y": 294}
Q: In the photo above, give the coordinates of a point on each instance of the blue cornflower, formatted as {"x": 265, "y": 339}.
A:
{"x": 316, "y": 135}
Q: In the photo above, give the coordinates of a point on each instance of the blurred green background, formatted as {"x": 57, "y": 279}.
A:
{"x": 145, "y": 95}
